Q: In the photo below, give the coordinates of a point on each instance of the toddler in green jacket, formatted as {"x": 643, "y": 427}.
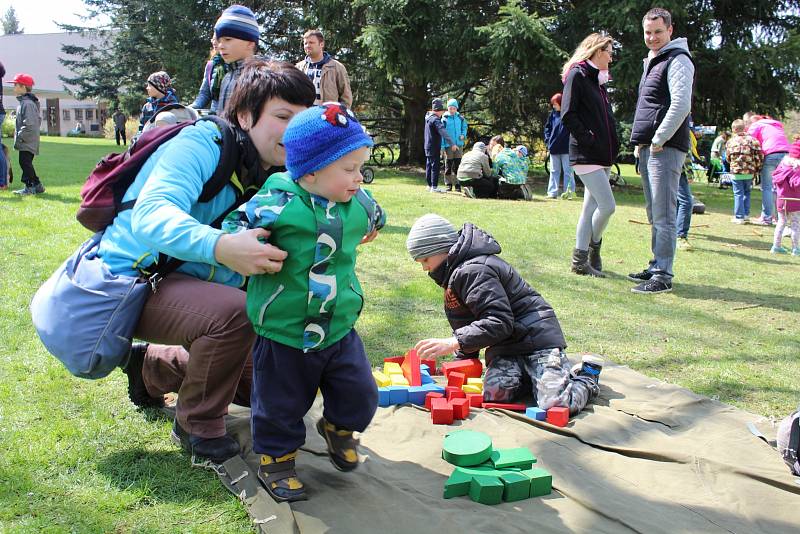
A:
{"x": 304, "y": 315}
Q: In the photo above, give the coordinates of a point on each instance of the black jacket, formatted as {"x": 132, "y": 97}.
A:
{"x": 586, "y": 113}
{"x": 2, "y": 73}
{"x": 434, "y": 131}
{"x": 489, "y": 305}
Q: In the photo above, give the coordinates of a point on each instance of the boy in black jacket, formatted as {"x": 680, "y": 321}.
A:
{"x": 490, "y": 306}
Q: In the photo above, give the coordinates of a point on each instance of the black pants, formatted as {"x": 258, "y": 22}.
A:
{"x": 120, "y": 133}
{"x": 482, "y": 187}
{"x": 285, "y": 382}
{"x": 29, "y": 177}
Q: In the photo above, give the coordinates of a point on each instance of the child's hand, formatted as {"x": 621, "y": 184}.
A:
{"x": 435, "y": 347}
{"x": 369, "y": 237}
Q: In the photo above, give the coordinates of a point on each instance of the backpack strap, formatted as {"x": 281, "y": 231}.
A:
{"x": 228, "y": 159}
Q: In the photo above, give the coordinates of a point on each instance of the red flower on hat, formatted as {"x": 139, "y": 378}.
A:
{"x": 336, "y": 114}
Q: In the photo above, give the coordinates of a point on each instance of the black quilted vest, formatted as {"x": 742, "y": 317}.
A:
{"x": 653, "y": 103}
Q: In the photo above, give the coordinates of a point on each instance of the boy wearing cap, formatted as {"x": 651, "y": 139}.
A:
{"x": 237, "y": 35}
{"x": 159, "y": 95}
{"x": 436, "y": 138}
{"x": 26, "y": 134}
{"x": 304, "y": 315}
{"x": 456, "y": 125}
{"x": 489, "y": 306}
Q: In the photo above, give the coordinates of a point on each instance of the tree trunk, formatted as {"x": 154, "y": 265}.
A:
{"x": 412, "y": 133}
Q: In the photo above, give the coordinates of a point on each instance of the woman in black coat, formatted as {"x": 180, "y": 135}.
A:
{"x": 593, "y": 144}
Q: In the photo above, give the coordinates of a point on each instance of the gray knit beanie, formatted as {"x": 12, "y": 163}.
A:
{"x": 430, "y": 235}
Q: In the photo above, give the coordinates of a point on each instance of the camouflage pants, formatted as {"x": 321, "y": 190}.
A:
{"x": 545, "y": 374}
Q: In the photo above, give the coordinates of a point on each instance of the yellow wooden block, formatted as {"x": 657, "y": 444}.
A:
{"x": 468, "y": 388}
{"x": 475, "y": 381}
{"x": 381, "y": 379}
{"x": 398, "y": 380}
{"x": 391, "y": 368}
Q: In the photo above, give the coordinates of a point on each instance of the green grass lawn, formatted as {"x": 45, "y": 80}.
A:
{"x": 76, "y": 456}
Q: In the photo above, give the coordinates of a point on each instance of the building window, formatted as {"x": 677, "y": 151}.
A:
{"x": 78, "y": 114}
{"x": 89, "y": 114}
{"x": 65, "y": 114}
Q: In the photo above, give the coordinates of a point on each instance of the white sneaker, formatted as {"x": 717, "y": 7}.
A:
{"x": 436, "y": 190}
{"x": 736, "y": 220}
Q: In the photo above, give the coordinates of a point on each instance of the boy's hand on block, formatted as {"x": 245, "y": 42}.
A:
{"x": 435, "y": 347}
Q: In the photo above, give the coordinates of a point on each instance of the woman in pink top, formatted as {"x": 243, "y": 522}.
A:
{"x": 774, "y": 146}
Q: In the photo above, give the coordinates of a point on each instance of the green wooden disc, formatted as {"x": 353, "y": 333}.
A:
{"x": 467, "y": 448}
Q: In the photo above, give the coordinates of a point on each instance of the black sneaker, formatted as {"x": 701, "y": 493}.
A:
{"x": 137, "y": 392}
{"x": 643, "y": 276}
{"x": 218, "y": 450}
{"x": 38, "y": 188}
{"x": 653, "y": 286}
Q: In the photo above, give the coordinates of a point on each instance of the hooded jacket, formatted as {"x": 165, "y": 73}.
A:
{"x": 456, "y": 126}
{"x": 771, "y": 135}
{"x": 29, "y": 121}
{"x": 786, "y": 180}
{"x": 489, "y": 305}
{"x": 586, "y": 113}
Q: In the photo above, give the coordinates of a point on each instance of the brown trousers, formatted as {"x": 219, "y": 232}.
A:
{"x": 201, "y": 348}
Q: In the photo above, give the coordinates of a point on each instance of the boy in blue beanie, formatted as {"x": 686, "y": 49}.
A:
{"x": 304, "y": 314}
{"x": 237, "y": 33}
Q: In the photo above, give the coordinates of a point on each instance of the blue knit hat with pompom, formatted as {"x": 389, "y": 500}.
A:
{"x": 320, "y": 135}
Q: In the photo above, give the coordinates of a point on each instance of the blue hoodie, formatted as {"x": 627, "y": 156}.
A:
{"x": 167, "y": 217}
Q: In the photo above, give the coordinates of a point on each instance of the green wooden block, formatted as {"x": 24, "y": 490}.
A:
{"x": 458, "y": 484}
{"x": 541, "y": 481}
{"x": 516, "y": 486}
{"x": 486, "y": 489}
{"x": 467, "y": 448}
{"x": 517, "y": 457}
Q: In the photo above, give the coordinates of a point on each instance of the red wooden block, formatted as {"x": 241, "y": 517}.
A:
{"x": 431, "y": 363}
{"x": 472, "y": 368}
{"x": 454, "y": 392}
{"x": 558, "y": 416}
{"x": 410, "y": 367}
{"x": 430, "y": 396}
{"x": 456, "y": 379}
{"x": 441, "y": 412}
{"x": 460, "y": 408}
{"x": 395, "y": 359}
{"x": 505, "y": 406}
{"x": 475, "y": 399}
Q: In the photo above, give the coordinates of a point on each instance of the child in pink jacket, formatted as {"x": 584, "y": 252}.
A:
{"x": 786, "y": 180}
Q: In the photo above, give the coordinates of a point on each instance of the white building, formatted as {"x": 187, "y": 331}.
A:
{"x": 37, "y": 55}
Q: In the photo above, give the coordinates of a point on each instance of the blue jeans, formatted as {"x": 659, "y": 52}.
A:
{"x": 771, "y": 161}
{"x": 741, "y": 198}
{"x": 432, "y": 170}
{"x": 685, "y": 202}
{"x": 661, "y": 173}
{"x": 559, "y": 163}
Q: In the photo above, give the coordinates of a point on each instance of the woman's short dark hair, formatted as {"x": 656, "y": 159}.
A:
{"x": 498, "y": 139}
{"x": 262, "y": 80}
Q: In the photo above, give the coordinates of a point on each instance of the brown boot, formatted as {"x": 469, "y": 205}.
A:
{"x": 581, "y": 265}
{"x": 594, "y": 255}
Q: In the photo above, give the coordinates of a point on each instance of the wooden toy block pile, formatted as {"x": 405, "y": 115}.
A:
{"x": 488, "y": 475}
{"x": 404, "y": 379}
{"x": 409, "y": 379}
